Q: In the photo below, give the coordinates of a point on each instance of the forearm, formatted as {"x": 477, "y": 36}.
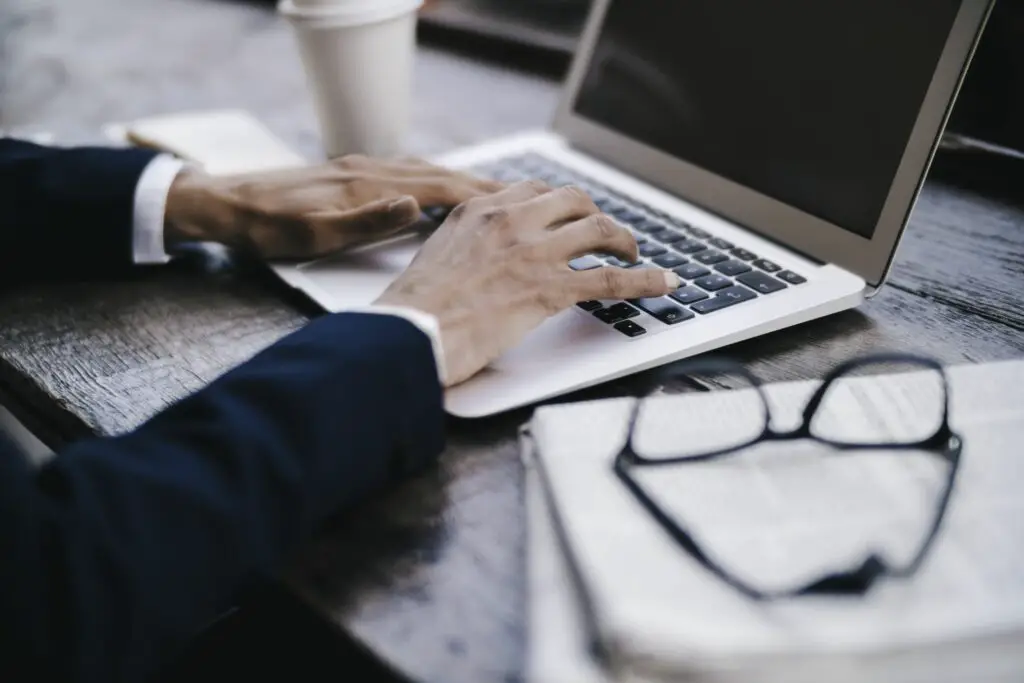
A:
{"x": 66, "y": 212}
{"x": 129, "y": 545}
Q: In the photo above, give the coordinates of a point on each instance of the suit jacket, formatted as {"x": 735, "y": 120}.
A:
{"x": 120, "y": 549}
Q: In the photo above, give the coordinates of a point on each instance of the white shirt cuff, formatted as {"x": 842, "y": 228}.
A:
{"x": 151, "y": 209}
{"x": 424, "y": 321}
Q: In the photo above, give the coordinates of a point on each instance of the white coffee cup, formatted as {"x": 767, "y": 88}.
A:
{"x": 319, "y": 4}
{"x": 359, "y": 57}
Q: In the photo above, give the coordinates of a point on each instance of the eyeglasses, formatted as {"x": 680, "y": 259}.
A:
{"x": 845, "y": 416}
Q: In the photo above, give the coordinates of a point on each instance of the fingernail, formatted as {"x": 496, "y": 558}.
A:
{"x": 672, "y": 280}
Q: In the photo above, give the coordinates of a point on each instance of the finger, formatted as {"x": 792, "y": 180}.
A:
{"x": 370, "y": 222}
{"x": 596, "y": 233}
{"x": 389, "y": 169}
{"x": 406, "y": 166}
{"x": 622, "y": 283}
{"x": 433, "y": 191}
{"x": 515, "y": 194}
{"x": 555, "y": 208}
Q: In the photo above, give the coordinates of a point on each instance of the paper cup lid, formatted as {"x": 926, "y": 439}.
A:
{"x": 347, "y": 12}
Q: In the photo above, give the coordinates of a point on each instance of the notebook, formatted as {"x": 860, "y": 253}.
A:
{"x": 602, "y": 574}
{"x": 221, "y": 141}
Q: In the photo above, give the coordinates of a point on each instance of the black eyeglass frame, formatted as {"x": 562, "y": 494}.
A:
{"x": 945, "y": 443}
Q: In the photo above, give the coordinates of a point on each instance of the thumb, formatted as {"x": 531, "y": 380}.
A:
{"x": 368, "y": 222}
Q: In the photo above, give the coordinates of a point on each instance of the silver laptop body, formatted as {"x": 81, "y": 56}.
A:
{"x": 769, "y": 152}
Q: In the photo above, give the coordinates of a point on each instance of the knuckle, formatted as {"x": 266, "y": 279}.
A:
{"x": 535, "y": 186}
{"x": 499, "y": 217}
{"x": 606, "y": 228}
{"x": 460, "y": 211}
{"x": 576, "y": 195}
{"x": 611, "y": 280}
{"x": 474, "y": 203}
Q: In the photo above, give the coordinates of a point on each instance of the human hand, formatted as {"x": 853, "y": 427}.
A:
{"x": 498, "y": 267}
{"x": 307, "y": 212}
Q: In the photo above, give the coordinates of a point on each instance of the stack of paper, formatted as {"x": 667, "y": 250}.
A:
{"x": 614, "y": 598}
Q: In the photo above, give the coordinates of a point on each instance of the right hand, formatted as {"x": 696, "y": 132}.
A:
{"x": 498, "y": 267}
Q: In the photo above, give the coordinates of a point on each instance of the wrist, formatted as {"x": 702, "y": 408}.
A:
{"x": 197, "y": 211}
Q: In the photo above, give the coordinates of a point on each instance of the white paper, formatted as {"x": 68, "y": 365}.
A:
{"x": 785, "y": 513}
{"x": 558, "y": 646}
{"x": 221, "y": 141}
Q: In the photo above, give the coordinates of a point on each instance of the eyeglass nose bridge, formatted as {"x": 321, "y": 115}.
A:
{"x": 795, "y": 434}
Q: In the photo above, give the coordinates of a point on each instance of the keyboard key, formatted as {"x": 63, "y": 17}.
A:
{"x": 691, "y": 271}
{"x": 709, "y": 258}
{"x": 665, "y": 310}
{"x": 530, "y": 160}
{"x": 791, "y": 277}
{"x": 724, "y": 299}
{"x": 688, "y": 246}
{"x": 689, "y": 295}
{"x": 732, "y": 268}
{"x": 616, "y": 314}
{"x": 631, "y": 329}
{"x": 654, "y": 231}
{"x": 585, "y": 263}
{"x": 761, "y": 283}
{"x": 627, "y": 215}
{"x": 670, "y": 237}
{"x": 507, "y": 175}
{"x": 670, "y": 260}
{"x": 714, "y": 282}
{"x": 767, "y": 266}
{"x": 650, "y": 227}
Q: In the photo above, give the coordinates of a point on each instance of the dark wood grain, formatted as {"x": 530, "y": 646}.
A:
{"x": 429, "y": 577}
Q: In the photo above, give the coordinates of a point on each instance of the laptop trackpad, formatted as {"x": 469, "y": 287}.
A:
{"x": 358, "y": 277}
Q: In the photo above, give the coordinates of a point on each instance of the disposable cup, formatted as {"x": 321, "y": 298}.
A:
{"x": 359, "y": 58}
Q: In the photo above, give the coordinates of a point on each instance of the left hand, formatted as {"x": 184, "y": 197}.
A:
{"x": 307, "y": 212}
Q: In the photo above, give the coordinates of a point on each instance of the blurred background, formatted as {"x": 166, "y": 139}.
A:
{"x": 538, "y": 35}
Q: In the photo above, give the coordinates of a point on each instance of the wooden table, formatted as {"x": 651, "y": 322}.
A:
{"x": 432, "y": 577}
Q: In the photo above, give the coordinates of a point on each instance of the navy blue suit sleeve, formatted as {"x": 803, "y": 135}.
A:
{"x": 120, "y": 549}
{"x": 66, "y": 213}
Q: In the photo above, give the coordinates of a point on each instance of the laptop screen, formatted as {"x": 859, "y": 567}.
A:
{"x": 811, "y": 103}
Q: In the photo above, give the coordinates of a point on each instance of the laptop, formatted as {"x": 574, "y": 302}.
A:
{"x": 769, "y": 152}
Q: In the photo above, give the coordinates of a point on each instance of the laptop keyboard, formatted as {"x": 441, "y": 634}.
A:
{"x": 717, "y": 274}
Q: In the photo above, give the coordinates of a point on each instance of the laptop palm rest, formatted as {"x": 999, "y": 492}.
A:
{"x": 360, "y": 276}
